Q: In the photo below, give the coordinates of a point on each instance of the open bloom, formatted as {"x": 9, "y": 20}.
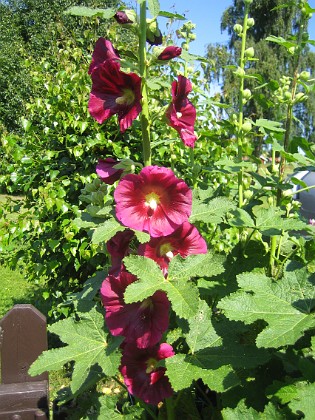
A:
{"x": 142, "y": 323}
{"x": 181, "y": 114}
{"x": 103, "y": 50}
{"x": 186, "y": 240}
{"x": 107, "y": 172}
{"x": 114, "y": 92}
{"x": 154, "y": 201}
{"x": 142, "y": 378}
{"x": 169, "y": 52}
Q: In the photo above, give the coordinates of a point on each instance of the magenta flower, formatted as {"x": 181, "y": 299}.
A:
{"x": 186, "y": 240}
{"x": 118, "y": 248}
{"x": 142, "y": 323}
{"x": 103, "y": 50}
{"x": 154, "y": 201}
{"x": 143, "y": 379}
{"x": 107, "y": 172}
{"x": 114, "y": 92}
{"x": 170, "y": 52}
{"x": 181, "y": 114}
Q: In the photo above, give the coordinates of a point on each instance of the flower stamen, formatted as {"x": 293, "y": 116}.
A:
{"x": 127, "y": 98}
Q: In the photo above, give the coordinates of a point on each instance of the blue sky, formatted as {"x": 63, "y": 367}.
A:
{"x": 206, "y": 14}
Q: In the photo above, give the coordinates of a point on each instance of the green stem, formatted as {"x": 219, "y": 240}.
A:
{"x": 170, "y": 409}
{"x": 144, "y": 117}
{"x": 240, "y": 137}
{"x": 272, "y": 258}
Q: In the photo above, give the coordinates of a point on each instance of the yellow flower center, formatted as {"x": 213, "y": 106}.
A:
{"x": 127, "y": 98}
{"x": 152, "y": 200}
{"x": 166, "y": 249}
{"x": 151, "y": 365}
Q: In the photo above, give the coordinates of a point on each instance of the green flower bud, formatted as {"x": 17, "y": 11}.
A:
{"x": 305, "y": 75}
{"x": 291, "y": 50}
{"x": 250, "y": 22}
{"x": 246, "y": 126}
{"x": 300, "y": 97}
{"x": 185, "y": 46}
{"x": 238, "y": 28}
{"x": 287, "y": 95}
{"x": 249, "y": 52}
{"x": 248, "y": 2}
{"x": 192, "y": 37}
{"x": 240, "y": 72}
{"x": 247, "y": 93}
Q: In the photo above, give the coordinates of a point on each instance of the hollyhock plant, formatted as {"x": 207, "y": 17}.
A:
{"x": 141, "y": 375}
{"x": 186, "y": 240}
{"x": 169, "y": 52}
{"x": 154, "y": 201}
{"x": 181, "y": 114}
{"x": 122, "y": 17}
{"x": 142, "y": 323}
{"x": 107, "y": 172}
{"x": 103, "y": 50}
{"x": 114, "y": 92}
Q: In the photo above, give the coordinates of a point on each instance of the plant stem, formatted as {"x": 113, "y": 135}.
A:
{"x": 240, "y": 136}
{"x": 170, "y": 408}
{"x": 144, "y": 117}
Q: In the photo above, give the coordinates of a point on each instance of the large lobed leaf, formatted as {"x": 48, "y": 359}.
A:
{"x": 87, "y": 345}
{"x": 286, "y": 305}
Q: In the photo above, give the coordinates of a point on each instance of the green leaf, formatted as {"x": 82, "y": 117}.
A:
{"x": 87, "y": 345}
{"x": 89, "y": 12}
{"x": 242, "y": 412}
{"x": 182, "y": 294}
{"x": 303, "y": 401}
{"x": 270, "y": 125}
{"x": 201, "y": 332}
{"x": 270, "y": 221}
{"x": 284, "y": 304}
{"x": 106, "y": 231}
{"x": 211, "y": 212}
{"x": 181, "y": 373}
{"x": 154, "y": 7}
{"x": 241, "y": 219}
{"x": 142, "y": 236}
{"x": 195, "y": 266}
{"x": 171, "y": 15}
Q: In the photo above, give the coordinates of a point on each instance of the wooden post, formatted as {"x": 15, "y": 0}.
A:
{"x": 23, "y": 338}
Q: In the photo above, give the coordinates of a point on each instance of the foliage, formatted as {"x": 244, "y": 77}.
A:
{"x": 241, "y": 322}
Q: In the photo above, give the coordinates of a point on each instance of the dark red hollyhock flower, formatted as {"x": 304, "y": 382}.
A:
{"x": 142, "y": 378}
{"x": 186, "y": 240}
{"x": 154, "y": 201}
{"x": 114, "y": 92}
{"x": 170, "y": 52}
{"x": 103, "y": 50}
{"x": 118, "y": 248}
{"x": 181, "y": 113}
{"x": 142, "y": 323}
{"x": 122, "y": 18}
{"x": 106, "y": 171}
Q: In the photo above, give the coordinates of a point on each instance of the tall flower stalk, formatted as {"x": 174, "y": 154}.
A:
{"x": 144, "y": 117}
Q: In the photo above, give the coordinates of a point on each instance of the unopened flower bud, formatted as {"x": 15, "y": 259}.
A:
{"x": 167, "y": 53}
{"x": 185, "y": 46}
{"x": 154, "y": 35}
{"x": 248, "y": 1}
{"x": 300, "y": 97}
{"x": 192, "y": 37}
{"x": 291, "y": 50}
{"x": 238, "y": 28}
{"x": 240, "y": 72}
{"x": 250, "y": 22}
{"x": 124, "y": 17}
{"x": 246, "y": 126}
{"x": 305, "y": 75}
{"x": 247, "y": 93}
{"x": 249, "y": 52}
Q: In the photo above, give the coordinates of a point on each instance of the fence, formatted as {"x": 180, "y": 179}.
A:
{"x": 23, "y": 338}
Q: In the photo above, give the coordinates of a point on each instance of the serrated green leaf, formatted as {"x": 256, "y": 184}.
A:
{"x": 269, "y": 125}
{"x": 270, "y": 221}
{"x": 89, "y": 12}
{"x": 201, "y": 332}
{"x": 303, "y": 401}
{"x": 202, "y": 265}
{"x": 142, "y": 236}
{"x": 241, "y": 219}
{"x": 182, "y": 294}
{"x": 242, "y": 412}
{"x": 87, "y": 346}
{"x": 285, "y": 305}
{"x": 106, "y": 231}
{"x": 181, "y": 373}
{"x": 154, "y": 7}
{"x": 171, "y": 15}
{"x": 211, "y": 212}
